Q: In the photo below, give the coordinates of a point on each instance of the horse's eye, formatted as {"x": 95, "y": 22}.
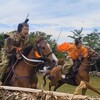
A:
{"x": 43, "y": 47}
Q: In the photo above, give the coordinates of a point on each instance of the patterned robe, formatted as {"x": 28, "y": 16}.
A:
{"x": 9, "y": 51}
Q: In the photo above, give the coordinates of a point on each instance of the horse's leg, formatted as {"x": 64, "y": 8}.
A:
{"x": 84, "y": 85}
{"x": 44, "y": 77}
{"x": 91, "y": 87}
{"x": 84, "y": 91}
{"x": 77, "y": 89}
{"x": 60, "y": 82}
{"x": 49, "y": 86}
{"x": 81, "y": 86}
{"x": 34, "y": 82}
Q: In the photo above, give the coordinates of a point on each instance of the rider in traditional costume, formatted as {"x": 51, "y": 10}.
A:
{"x": 14, "y": 43}
{"x": 76, "y": 51}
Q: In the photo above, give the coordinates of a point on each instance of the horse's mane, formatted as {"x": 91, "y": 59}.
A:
{"x": 92, "y": 53}
{"x": 27, "y": 49}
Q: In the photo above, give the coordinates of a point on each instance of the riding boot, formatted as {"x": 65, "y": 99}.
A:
{"x": 67, "y": 76}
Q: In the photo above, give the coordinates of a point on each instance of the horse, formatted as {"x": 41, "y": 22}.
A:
{"x": 24, "y": 72}
{"x": 80, "y": 78}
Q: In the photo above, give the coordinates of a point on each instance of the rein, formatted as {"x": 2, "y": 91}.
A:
{"x": 29, "y": 63}
{"x": 31, "y": 60}
{"x": 48, "y": 55}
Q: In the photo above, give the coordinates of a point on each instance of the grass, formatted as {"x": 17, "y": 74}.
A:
{"x": 94, "y": 81}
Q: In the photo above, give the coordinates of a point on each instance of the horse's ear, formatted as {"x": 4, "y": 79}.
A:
{"x": 38, "y": 39}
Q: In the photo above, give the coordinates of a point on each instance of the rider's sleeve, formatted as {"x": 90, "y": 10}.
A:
{"x": 63, "y": 47}
{"x": 84, "y": 52}
{"x": 8, "y": 43}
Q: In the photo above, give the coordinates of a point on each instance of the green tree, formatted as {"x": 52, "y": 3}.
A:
{"x": 77, "y": 33}
{"x": 93, "y": 40}
{"x": 1, "y": 40}
{"x": 33, "y": 35}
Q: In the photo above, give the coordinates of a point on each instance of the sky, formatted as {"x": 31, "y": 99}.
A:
{"x": 51, "y": 16}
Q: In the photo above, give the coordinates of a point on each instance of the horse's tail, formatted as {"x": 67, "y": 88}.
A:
{"x": 44, "y": 77}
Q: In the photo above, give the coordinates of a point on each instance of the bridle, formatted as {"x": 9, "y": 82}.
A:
{"x": 28, "y": 63}
{"x": 40, "y": 49}
{"x": 91, "y": 58}
{"x": 89, "y": 64}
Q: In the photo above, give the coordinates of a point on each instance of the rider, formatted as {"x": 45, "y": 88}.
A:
{"x": 12, "y": 45}
{"x": 76, "y": 51}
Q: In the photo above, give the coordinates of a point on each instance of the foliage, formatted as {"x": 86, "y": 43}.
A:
{"x": 77, "y": 33}
{"x": 1, "y": 40}
{"x": 93, "y": 40}
{"x": 33, "y": 35}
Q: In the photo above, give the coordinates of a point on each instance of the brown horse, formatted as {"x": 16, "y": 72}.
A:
{"x": 82, "y": 75}
{"x": 24, "y": 72}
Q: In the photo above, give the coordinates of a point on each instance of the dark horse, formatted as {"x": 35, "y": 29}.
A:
{"x": 24, "y": 72}
{"x": 81, "y": 77}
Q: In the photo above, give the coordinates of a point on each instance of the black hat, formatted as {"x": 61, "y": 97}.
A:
{"x": 78, "y": 40}
{"x": 20, "y": 25}
{"x": 26, "y": 20}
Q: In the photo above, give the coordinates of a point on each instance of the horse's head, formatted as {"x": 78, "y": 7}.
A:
{"x": 92, "y": 55}
{"x": 45, "y": 50}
